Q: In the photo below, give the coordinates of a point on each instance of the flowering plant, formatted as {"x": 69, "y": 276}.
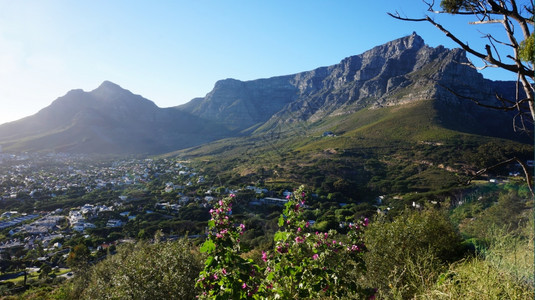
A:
{"x": 226, "y": 274}
{"x": 308, "y": 263}
{"x": 304, "y": 263}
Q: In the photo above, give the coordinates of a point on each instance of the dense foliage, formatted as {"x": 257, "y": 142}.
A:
{"x": 302, "y": 265}
{"x": 407, "y": 254}
{"x": 162, "y": 270}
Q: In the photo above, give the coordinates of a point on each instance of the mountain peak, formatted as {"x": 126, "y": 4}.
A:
{"x": 107, "y": 87}
{"x": 108, "y": 84}
{"x": 412, "y": 42}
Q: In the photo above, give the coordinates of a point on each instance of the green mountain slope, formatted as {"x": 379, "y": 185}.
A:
{"x": 395, "y": 149}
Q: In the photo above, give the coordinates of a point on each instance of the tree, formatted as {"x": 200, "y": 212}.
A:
{"x": 520, "y": 57}
{"x": 79, "y": 256}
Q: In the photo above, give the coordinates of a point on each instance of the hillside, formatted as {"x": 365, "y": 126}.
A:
{"x": 395, "y": 149}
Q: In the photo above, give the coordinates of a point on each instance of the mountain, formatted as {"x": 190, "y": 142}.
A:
{"x": 399, "y": 73}
{"x": 107, "y": 120}
{"x": 396, "y": 119}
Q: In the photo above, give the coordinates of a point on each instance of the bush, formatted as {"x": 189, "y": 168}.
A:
{"x": 476, "y": 278}
{"x": 146, "y": 271}
{"x": 407, "y": 254}
{"x": 506, "y": 213}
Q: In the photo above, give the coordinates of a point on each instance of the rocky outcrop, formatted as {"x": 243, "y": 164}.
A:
{"x": 398, "y": 72}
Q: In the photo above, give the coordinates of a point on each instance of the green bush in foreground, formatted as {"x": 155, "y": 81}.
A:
{"x": 406, "y": 255}
{"x": 163, "y": 270}
{"x": 477, "y": 278}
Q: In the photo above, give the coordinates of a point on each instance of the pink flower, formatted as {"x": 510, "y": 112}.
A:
{"x": 288, "y": 197}
{"x": 315, "y": 256}
{"x": 232, "y": 195}
{"x": 224, "y": 271}
{"x": 366, "y": 221}
{"x": 299, "y": 239}
{"x": 299, "y": 229}
{"x": 221, "y": 202}
{"x": 264, "y": 256}
{"x": 244, "y": 286}
{"x": 307, "y": 224}
{"x": 242, "y": 226}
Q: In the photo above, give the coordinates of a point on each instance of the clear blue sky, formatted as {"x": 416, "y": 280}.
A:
{"x": 173, "y": 51}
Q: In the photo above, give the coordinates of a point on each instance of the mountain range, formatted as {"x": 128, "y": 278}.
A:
{"x": 112, "y": 120}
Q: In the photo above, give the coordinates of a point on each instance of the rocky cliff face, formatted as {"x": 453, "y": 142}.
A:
{"x": 401, "y": 71}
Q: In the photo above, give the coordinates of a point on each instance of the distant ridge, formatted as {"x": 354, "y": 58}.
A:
{"x": 107, "y": 120}
{"x": 113, "y": 120}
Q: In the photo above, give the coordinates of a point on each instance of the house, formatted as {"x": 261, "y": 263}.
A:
{"x": 183, "y": 200}
{"x": 114, "y": 223}
{"x": 287, "y": 194}
{"x": 8, "y": 214}
{"x": 274, "y": 201}
{"x": 328, "y": 133}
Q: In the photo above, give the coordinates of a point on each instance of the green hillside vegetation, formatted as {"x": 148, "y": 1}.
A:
{"x": 398, "y": 149}
{"x": 480, "y": 249}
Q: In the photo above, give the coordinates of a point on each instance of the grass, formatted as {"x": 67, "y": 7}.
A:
{"x": 35, "y": 276}
{"x": 501, "y": 270}
{"x": 477, "y": 278}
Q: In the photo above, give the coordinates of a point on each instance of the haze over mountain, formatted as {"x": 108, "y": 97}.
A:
{"x": 112, "y": 120}
{"x": 107, "y": 120}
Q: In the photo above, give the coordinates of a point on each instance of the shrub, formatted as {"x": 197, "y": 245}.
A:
{"x": 162, "y": 270}
{"x": 408, "y": 253}
{"x": 476, "y": 278}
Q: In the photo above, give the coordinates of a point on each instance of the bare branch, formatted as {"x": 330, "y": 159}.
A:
{"x": 527, "y": 175}
{"x": 488, "y": 57}
{"x": 507, "y": 105}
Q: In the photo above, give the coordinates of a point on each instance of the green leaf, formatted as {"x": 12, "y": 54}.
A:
{"x": 281, "y": 236}
{"x": 209, "y": 260}
{"x": 211, "y": 224}
{"x": 208, "y": 246}
{"x": 281, "y": 221}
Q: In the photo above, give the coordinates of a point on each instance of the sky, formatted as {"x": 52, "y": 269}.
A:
{"x": 173, "y": 51}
